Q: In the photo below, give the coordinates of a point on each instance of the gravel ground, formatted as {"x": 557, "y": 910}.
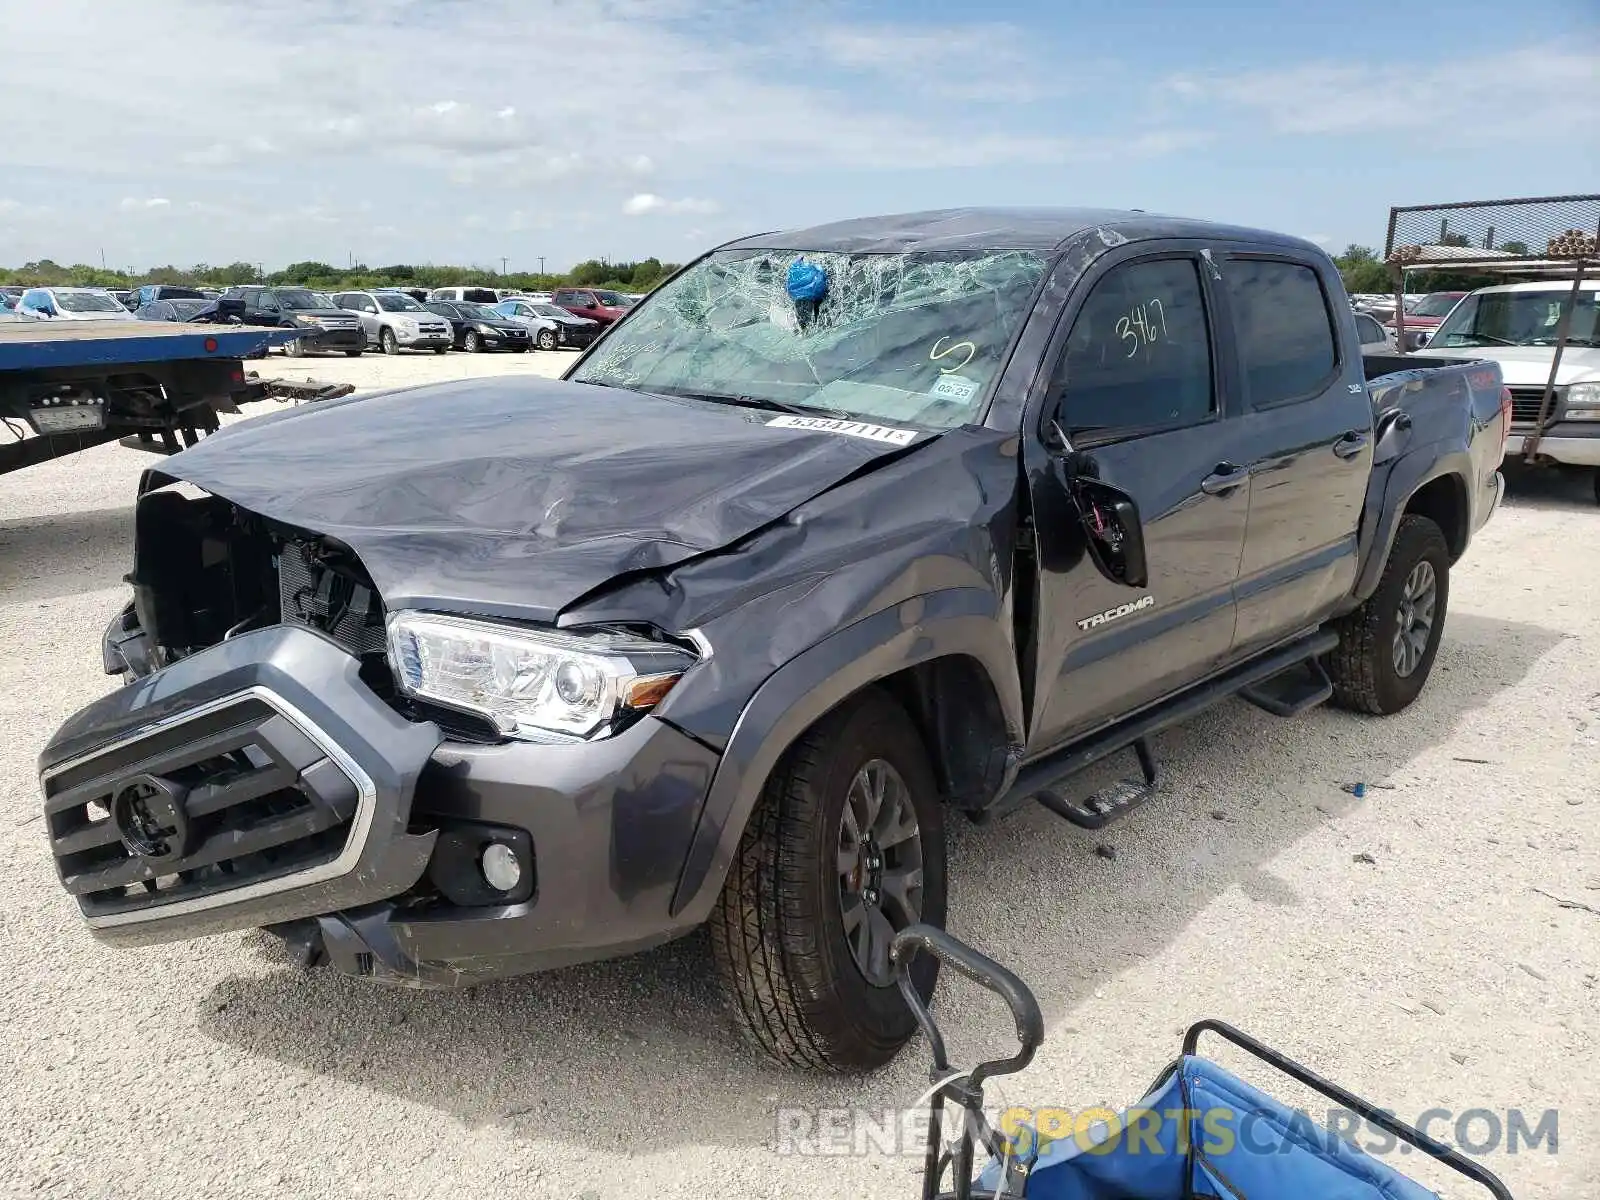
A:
{"x": 1412, "y": 944}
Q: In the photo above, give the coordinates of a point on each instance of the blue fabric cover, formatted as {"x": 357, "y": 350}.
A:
{"x": 806, "y": 281}
{"x": 1247, "y": 1146}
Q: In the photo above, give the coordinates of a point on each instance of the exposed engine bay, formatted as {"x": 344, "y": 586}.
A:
{"x": 206, "y": 570}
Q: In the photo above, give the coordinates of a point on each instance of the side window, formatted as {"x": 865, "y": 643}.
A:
{"x": 1139, "y": 354}
{"x": 1285, "y": 331}
{"x": 1371, "y": 332}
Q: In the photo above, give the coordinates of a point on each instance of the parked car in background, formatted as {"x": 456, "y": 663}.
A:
{"x": 545, "y": 331}
{"x": 72, "y": 304}
{"x": 393, "y": 321}
{"x": 9, "y": 295}
{"x": 597, "y": 304}
{"x": 198, "y": 312}
{"x": 145, "y": 293}
{"x": 321, "y": 323}
{"x": 1375, "y": 339}
{"x": 568, "y": 330}
{"x": 467, "y": 295}
{"x": 1423, "y": 317}
{"x": 477, "y": 327}
{"x": 124, "y": 298}
{"x": 1515, "y": 326}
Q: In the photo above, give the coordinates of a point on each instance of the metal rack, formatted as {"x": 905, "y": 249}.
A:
{"x": 1553, "y": 236}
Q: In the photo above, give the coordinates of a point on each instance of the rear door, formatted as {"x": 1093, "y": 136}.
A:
{"x": 1306, "y": 436}
{"x": 1143, "y": 398}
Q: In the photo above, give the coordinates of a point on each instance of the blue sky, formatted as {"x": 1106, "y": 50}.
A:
{"x": 467, "y": 130}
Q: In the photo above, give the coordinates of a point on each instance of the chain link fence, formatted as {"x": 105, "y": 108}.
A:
{"x": 1554, "y": 233}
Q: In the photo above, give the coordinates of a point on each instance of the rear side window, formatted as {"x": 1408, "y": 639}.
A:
{"x": 1285, "y": 331}
{"x": 1139, "y": 354}
{"x": 1368, "y": 329}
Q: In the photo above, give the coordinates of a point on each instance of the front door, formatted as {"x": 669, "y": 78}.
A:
{"x": 1307, "y": 438}
{"x": 1137, "y": 394}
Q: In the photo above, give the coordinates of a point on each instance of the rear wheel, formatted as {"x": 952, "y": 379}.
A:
{"x": 1387, "y": 646}
{"x": 547, "y": 339}
{"x": 845, "y": 848}
{"x": 440, "y": 349}
{"x": 387, "y": 342}
{"x": 353, "y": 352}
{"x": 473, "y": 343}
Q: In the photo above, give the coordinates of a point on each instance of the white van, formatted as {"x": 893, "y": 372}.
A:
{"x": 465, "y": 295}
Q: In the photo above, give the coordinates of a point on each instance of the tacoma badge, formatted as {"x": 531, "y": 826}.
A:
{"x": 1121, "y": 610}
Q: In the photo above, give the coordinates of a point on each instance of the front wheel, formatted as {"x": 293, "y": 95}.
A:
{"x": 473, "y": 343}
{"x": 844, "y": 850}
{"x": 388, "y": 343}
{"x": 440, "y": 349}
{"x": 547, "y": 339}
{"x": 353, "y": 352}
{"x": 1387, "y": 645}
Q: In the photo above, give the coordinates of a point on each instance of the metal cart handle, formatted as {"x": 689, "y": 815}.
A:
{"x": 1389, "y": 1124}
{"x": 984, "y": 972}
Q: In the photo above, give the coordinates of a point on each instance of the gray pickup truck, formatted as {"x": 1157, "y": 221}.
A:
{"x": 841, "y": 532}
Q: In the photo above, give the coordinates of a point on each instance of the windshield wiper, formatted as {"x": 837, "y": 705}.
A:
{"x": 1489, "y": 337}
{"x": 765, "y": 403}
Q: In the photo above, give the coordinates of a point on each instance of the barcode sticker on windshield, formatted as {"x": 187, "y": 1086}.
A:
{"x": 860, "y": 429}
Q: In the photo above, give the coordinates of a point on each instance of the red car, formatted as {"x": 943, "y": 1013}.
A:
{"x": 1425, "y": 317}
{"x": 597, "y": 304}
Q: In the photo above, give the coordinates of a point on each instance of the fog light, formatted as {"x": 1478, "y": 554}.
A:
{"x": 500, "y": 867}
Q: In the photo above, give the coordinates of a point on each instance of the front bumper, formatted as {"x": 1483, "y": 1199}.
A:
{"x": 426, "y": 339}
{"x": 341, "y": 337}
{"x": 1562, "y": 446}
{"x": 607, "y": 824}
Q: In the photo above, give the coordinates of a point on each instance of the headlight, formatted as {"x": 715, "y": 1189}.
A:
{"x": 304, "y": 319}
{"x": 489, "y": 329}
{"x": 407, "y": 325}
{"x": 537, "y": 685}
{"x": 1583, "y": 402}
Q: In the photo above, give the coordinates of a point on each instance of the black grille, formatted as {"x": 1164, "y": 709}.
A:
{"x": 1525, "y": 403}
{"x": 228, "y": 798}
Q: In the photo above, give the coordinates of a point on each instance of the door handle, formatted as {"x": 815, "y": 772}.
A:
{"x": 1224, "y": 479}
{"x": 1351, "y": 444}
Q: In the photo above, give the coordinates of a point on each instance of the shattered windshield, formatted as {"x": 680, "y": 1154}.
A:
{"x": 1519, "y": 319}
{"x": 911, "y": 338}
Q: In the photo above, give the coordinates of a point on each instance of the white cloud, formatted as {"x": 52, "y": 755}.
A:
{"x": 134, "y": 204}
{"x": 1547, "y": 94}
{"x": 646, "y": 202}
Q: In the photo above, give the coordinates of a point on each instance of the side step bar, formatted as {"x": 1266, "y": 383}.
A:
{"x": 1042, "y": 776}
{"x": 1292, "y": 692}
{"x": 1116, "y": 800}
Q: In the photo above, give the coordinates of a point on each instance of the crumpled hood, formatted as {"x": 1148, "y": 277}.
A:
{"x": 514, "y": 497}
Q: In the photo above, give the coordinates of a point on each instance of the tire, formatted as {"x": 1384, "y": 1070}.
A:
{"x": 440, "y": 349}
{"x": 547, "y": 339}
{"x": 387, "y": 341}
{"x": 1371, "y": 671}
{"x": 299, "y": 348}
{"x": 355, "y": 353}
{"x": 473, "y": 344}
{"x": 778, "y": 932}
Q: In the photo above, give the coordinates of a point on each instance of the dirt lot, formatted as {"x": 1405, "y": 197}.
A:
{"x": 1435, "y": 944}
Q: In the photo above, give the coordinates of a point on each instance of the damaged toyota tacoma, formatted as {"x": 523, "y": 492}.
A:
{"x": 841, "y": 532}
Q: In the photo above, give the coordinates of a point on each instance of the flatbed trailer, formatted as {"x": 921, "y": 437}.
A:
{"x": 67, "y": 386}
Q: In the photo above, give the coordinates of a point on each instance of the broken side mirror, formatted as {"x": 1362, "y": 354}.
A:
{"x": 1112, "y": 528}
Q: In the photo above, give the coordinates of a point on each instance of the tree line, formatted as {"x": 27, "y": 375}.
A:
{"x": 1364, "y": 271}
{"x": 638, "y": 276}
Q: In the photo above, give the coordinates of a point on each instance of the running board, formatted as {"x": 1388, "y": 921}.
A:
{"x": 1111, "y": 802}
{"x": 1292, "y": 692}
{"x": 1050, "y": 771}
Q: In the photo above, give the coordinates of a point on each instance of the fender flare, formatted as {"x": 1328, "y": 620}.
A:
{"x": 1402, "y": 485}
{"x": 964, "y": 621}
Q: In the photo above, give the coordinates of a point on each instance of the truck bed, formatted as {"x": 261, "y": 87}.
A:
{"x": 36, "y": 345}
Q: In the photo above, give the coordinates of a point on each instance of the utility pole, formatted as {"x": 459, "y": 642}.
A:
{"x": 502, "y": 266}
{"x": 541, "y": 264}
{"x": 102, "y": 258}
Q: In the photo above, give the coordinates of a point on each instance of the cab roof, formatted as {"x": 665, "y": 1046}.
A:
{"x": 979, "y": 229}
